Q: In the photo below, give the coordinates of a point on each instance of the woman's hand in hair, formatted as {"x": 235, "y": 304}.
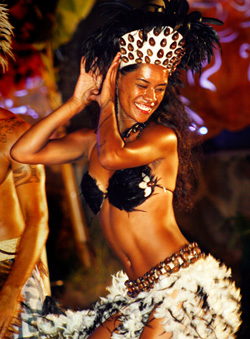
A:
{"x": 107, "y": 94}
{"x": 88, "y": 86}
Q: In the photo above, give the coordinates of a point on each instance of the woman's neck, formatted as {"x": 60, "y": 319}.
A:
{"x": 123, "y": 121}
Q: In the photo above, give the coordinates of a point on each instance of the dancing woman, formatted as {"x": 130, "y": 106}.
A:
{"x": 139, "y": 165}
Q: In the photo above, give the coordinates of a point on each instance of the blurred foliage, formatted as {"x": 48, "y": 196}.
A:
{"x": 37, "y": 21}
{"x": 239, "y": 228}
{"x": 40, "y": 27}
{"x": 68, "y": 15}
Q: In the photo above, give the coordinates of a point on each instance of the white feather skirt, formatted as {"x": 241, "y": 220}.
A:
{"x": 200, "y": 301}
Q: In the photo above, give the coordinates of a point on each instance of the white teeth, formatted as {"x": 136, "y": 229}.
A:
{"x": 143, "y": 107}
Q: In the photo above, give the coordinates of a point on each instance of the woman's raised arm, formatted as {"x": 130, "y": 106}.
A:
{"x": 35, "y": 146}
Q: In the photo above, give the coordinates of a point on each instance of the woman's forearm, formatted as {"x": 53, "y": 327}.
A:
{"x": 37, "y": 137}
{"x": 109, "y": 140}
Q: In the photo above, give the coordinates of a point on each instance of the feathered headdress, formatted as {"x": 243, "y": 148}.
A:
{"x": 200, "y": 38}
{"x": 6, "y": 33}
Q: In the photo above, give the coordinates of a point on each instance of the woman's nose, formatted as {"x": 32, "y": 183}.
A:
{"x": 149, "y": 94}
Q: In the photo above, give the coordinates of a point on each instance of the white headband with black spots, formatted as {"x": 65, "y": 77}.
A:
{"x": 163, "y": 47}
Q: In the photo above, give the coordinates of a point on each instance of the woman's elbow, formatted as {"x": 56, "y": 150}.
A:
{"x": 20, "y": 156}
{"x": 106, "y": 162}
{"x": 109, "y": 161}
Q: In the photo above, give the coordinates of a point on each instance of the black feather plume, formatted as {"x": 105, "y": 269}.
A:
{"x": 200, "y": 38}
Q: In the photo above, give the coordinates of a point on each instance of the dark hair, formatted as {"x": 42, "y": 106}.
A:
{"x": 102, "y": 46}
{"x": 172, "y": 113}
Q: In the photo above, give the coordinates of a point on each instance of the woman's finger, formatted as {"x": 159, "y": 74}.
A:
{"x": 82, "y": 64}
{"x": 115, "y": 63}
{"x": 98, "y": 81}
{"x": 3, "y": 330}
{"x": 108, "y": 89}
{"x": 112, "y": 71}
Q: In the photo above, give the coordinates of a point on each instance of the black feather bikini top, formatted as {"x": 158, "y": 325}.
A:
{"x": 127, "y": 189}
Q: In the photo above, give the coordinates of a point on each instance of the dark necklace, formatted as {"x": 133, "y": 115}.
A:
{"x": 138, "y": 126}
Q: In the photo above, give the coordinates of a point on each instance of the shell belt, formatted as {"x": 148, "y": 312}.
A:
{"x": 186, "y": 256}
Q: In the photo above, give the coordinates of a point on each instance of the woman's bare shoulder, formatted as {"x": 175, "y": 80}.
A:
{"x": 160, "y": 135}
{"x": 153, "y": 127}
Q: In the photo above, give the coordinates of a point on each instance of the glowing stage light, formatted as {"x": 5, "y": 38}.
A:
{"x": 21, "y": 93}
{"x": 203, "y": 130}
{"x": 192, "y": 127}
{"x": 8, "y": 103}
{"x": 19, "y": 110}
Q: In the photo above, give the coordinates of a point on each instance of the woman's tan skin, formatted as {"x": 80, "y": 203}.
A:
{"x": 140, "y": 239}
{"x": 23, "y": 213}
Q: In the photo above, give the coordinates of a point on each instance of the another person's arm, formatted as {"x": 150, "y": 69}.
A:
{"x": 30, "y": 187}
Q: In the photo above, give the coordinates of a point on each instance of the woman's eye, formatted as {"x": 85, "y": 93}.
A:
{"x": 141, "y": 86}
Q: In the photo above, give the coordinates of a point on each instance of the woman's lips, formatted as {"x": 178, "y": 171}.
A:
{"x": 144, "y": 108}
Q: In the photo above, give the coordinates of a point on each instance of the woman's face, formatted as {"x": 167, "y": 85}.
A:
{"x": 140, "y": 93}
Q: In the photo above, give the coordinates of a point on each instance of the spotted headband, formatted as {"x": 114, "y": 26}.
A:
{"x": 163, "y": 47}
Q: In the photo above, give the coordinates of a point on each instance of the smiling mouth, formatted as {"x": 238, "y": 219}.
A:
{"x": 144, "y": 108}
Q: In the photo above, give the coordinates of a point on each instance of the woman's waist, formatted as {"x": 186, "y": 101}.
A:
{"x": 140, "y": 249}
{"x": 181, "y": 259}
{"x": 142, "y": 258}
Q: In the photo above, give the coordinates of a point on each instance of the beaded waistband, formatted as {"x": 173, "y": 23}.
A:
{"x": 187, "y": 255}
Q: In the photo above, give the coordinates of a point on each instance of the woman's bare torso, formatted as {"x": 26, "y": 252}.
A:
{"x": 144, "y": 237}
